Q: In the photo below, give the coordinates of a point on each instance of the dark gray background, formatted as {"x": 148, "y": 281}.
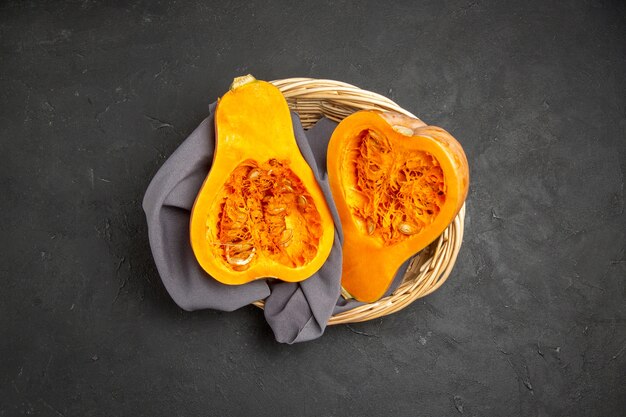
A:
{"x": 94, "y": 97}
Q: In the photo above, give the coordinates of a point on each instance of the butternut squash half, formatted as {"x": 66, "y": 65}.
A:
{"x": 398, "y": 184}
{"x": 260, "y": 212}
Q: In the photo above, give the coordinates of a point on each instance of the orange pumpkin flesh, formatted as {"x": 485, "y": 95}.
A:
{"x": 397, "y": 184}
{"x": 260, "y": 212}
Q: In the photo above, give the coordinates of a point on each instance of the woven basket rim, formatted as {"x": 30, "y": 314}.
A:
{"x": 313, "y": 98}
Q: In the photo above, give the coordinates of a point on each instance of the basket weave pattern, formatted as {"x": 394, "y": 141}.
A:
{"x": 313, "y": 99}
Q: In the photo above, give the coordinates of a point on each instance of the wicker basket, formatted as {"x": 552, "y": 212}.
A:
{"x": 312, "y": 99}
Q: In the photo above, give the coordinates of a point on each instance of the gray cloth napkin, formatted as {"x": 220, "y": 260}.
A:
{"x": 296, "y": 312}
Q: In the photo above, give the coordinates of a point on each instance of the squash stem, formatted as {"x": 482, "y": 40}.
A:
{"x": 241, "y": 81}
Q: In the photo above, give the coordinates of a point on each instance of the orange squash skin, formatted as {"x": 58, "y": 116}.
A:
{"x": 260, "y": 212}
{"x": 371, "y": 254}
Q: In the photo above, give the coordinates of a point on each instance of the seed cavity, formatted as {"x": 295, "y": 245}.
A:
{"x": 392, "y": 193}
{"x": 264, "y": 213}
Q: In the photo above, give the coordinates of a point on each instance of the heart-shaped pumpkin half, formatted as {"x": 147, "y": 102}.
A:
{"x": 260, "y": 212}
{"x": 397, "y": 184}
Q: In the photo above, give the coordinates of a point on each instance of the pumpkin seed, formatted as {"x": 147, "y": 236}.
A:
{"x": 238, "y": 260}
{"x": 254, "y": 174}
{"x": 240, "y": 268}
{"x": 285, "y": 237}
{"x": 236, "y": 225}
{"x": 241, "y": 247}
{"x": 407, "y": 228}
{"x": 276, "y": 210}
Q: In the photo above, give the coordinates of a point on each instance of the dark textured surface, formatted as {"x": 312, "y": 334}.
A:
{"x": 93, "y": 98}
